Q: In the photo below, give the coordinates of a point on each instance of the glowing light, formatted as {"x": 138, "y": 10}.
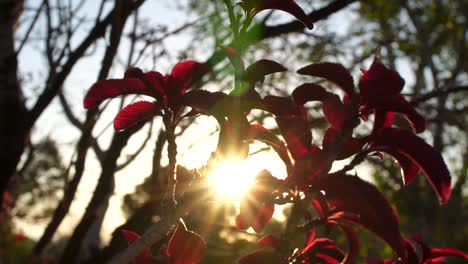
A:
{"x": 231, "y": 179}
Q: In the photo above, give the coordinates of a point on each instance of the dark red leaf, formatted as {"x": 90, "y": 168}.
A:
{"x": 428, "y": 159}
{"x": 254, "y": 213}
{"x": 264, "y": 214}
{"x": 257, "y": 71}
{"x": 255, "y": 208}
{"x": 308, "y": 167}
{"x": 399, "y": 104}
{"x": 184, "y": 73}
{"x": 353, "y": 243}
{"x": 382, "y": 119}
{"x": 310, "y": 92}
{"x": 106, "y": 89}
{"x": 268, "y": 241}
{"x": 205, "y": 102}
{"x": 353, "y": 195}
{"x": 281, "y": 106}
{"x": 446, "y": 252}
{"x": 409, "y": 169}
{"x": 133, "y": 113}
{"x": 333, "y": 72}
{"x": 261, "y": 257}
{"x": 133, "y": 72}
{"x": 288, "y": 6}
{"x": 19, "y": 237}
{"x": 350, "y": 146}
{"x": 155, "y": 80}
{"x": 337, "y": 113}
{"x": 320, "y": 249}
{"x": 297, "y": 134}
{"x": 145, "y": 256}
{"x": 379, "y": 81}
{"x": 185, "y": 247}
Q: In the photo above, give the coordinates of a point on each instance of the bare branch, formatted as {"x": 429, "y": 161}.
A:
{"x": 132, "y": 157}
{"x": 438, "y": 93}
{"x": 30, "y": 28}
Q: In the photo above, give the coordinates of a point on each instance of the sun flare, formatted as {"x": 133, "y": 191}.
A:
{"x": 231, "y": 179}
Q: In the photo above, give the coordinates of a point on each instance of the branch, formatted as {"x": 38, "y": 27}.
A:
{"x": 262, "y": 31}
{"x": 68, "y": 112}
{"x": 30, "y": 28}
{"x": 139, "y": 150}
{"x": 437, "y": 93}
{"x": 57, "y": 81}
{"x": 103, "y": 191}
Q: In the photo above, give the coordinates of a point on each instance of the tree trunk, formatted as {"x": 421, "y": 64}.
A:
{"x": 12, "y": 109}
{"x": 103, "y": 191}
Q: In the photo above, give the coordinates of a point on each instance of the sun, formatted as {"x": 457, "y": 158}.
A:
{"x": 230, "y": 179}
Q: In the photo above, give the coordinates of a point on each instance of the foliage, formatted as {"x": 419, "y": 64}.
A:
{"x": 339, "y": 199}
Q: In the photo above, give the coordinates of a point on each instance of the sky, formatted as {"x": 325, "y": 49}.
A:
{"x": 195, "y": 145}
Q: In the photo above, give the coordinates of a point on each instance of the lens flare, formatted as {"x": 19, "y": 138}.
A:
{"x": 231, "y": 179}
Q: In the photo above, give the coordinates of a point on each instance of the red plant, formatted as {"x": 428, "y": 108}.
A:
{"x": 339, "y": 200}
{"x": 185, "y": 247}
{"x": 167, "y": 90}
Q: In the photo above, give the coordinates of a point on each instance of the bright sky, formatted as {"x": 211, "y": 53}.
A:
{"x": 194, "y": 147}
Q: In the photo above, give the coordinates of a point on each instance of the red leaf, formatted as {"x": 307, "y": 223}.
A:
{"x": 350, "y": 146}
{"x": 310, "y": 92}
{"x": 409, "y": 169}
{"x": 281, "y": 106}
{"x": 19, "y": 237}
{"x": 133, "y": 72}
{"x": 399, "y": 104}
{"x": 428, "y": 159}
{"x": 353, "y": 243}
{"x": 257, "y": 71}
{"x": 268, "y": 241}
{"x": 130, "y": 236}
{"x": 353, "y": 195}
{"x": 205, "y": 102}
{"x": 261, "y": 257}
{"x": 133, "y": 113}
{"x": 184, "y": 73}
{"x": 106, "y": 89}
{"x": 255, "y": 208}
{"x": 315, "y": 163}
{"x": 288, "y": 6}
{"x": 321, "y": 249}
{"x": 151, "y": 79}
{"x": 155, "y": 80}
{"x": 185, "y": 247}
{"x": 382, "y": 119}
{"x": 445, "y": 252}
{"x": 333, "y": 72}
{"x": 264, "y": 214}
{"x": 297, "y": 134}
{"x": 379, "y": 81}
{"x": 337, "y": 113}
{"x": 145, "y": 256}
